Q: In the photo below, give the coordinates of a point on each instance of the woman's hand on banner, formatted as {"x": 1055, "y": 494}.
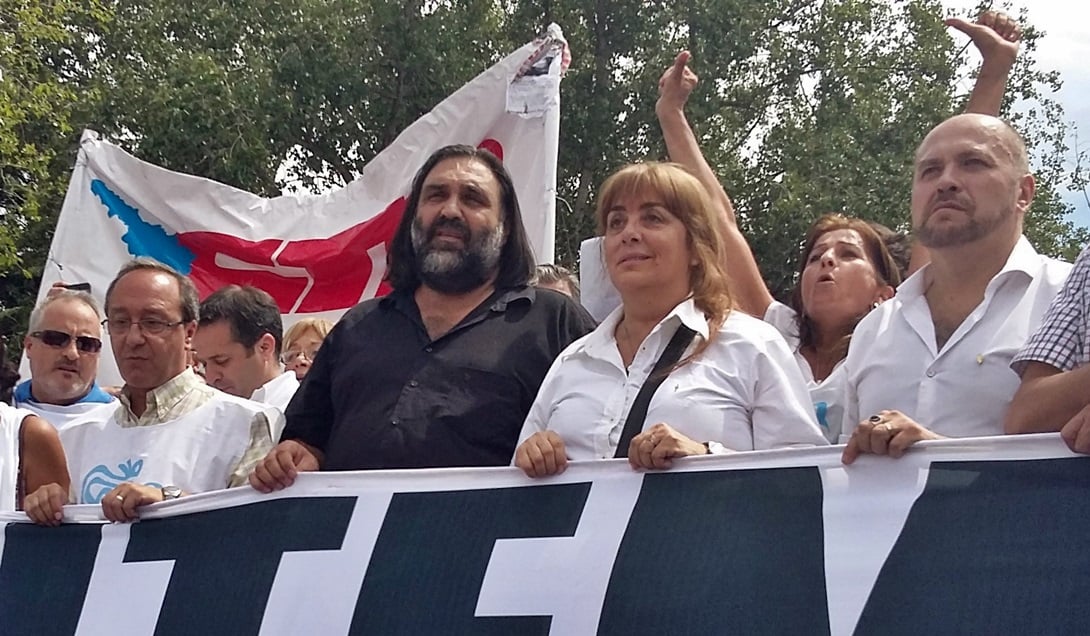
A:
{"x": 542, "y": 454}
{"x": 656, "y": 447}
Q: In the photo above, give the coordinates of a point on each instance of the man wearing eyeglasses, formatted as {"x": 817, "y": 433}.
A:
{"x": 238, "y": 342}
{"x": 171, "y": 434}
{"x": 62, "y": 347}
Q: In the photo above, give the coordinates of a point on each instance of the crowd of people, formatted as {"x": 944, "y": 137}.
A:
{"x": 479, "y": 358}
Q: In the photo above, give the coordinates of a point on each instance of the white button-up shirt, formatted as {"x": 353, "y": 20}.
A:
{"x": 828, "y": 394}
{"x": 744, "y": 391}
{"x": 964, "y": 389}
{"x": 277, "y": 393}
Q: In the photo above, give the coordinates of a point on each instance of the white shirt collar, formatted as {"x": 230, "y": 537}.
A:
{"x": 686, "y": 313}
{"x": 285, "y": 382}
{"x": 1023, "y": 258}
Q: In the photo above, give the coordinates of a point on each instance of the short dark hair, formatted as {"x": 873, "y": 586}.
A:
{"x": 249, "y": 311}
{"x": 190, "y": 299}
{"x": 516, "y": 265}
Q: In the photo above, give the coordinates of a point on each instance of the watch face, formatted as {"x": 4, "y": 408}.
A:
{"x": 171, "y": 492}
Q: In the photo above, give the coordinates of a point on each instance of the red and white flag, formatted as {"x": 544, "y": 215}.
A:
{"x": 316, "y": 255}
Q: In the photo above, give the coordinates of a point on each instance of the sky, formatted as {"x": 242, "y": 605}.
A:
{"x": 1065, "y": 47}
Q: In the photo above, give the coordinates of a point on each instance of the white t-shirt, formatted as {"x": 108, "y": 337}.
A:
{"x": 195, "y": 452}
{"x": 744, "y": 391}
{"x": 11, "y": 419}
{"x": 964, "y": 389}
{"x": 826, "y": 395}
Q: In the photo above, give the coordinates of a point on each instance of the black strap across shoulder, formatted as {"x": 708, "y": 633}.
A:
{"x": 638, "y": 413}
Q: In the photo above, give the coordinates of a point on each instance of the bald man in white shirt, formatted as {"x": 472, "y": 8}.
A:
{"x": 934, "y": 361}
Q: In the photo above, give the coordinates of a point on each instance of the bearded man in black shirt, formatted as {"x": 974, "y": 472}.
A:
{"x": 443, "y": 370}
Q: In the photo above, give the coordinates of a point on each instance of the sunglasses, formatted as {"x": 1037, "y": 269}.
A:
{"x": 59, "y": 339}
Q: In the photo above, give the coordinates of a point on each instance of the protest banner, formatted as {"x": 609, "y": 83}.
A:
{"x": 981, "y": 536}
{"x": 316, "y": 255}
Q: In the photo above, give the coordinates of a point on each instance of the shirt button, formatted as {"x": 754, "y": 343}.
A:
{"x": 428, "y": 349}
{"x": 930, "y": 373}
{"x": 395, "y": 422}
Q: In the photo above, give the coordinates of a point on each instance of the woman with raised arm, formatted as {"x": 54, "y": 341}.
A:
{"x": 844, "y": 269}
{"x": 728, "y": 381}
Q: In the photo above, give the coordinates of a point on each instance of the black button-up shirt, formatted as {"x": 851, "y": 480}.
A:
{"x": 382, "y": 394}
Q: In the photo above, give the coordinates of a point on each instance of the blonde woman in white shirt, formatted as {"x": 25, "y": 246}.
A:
{"x": 736, "y": 386}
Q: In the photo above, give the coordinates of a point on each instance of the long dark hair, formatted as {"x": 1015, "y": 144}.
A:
{"x": 516, "y": 265}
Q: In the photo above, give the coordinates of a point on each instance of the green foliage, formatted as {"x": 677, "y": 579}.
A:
{"x": 804, "y": 107}
{"x": 45, "y": 93}
{"x": 230, "y": 91}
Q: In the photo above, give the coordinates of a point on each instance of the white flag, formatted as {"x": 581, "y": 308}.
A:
{"x": 316, "y": 255}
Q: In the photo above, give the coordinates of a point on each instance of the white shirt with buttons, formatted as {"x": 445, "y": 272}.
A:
{"x": 964, "y": 389}
{"x": 277, "y": 393}
{"x": 744, "y": 391}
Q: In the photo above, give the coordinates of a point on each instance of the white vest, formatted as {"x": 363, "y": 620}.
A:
{"x": 61, "y": 417}
{"x": 195, "y": 452}
{"x": 11, "y": 419}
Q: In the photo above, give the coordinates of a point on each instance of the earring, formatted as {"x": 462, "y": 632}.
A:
{"x": 876, "y": 304}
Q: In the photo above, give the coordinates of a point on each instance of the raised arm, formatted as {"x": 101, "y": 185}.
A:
{"x": 995, "y": 35}
{"x": 748, "y": 287}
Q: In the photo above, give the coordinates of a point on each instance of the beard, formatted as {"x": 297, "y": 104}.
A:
{"x": 972, "y": 229}
{"x": 452, "y": 270}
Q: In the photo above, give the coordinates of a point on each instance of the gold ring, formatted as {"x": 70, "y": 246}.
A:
{"x": 120, "y": 497}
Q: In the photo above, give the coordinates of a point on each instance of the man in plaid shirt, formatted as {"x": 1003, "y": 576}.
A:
{"x": 1055, "y": 390}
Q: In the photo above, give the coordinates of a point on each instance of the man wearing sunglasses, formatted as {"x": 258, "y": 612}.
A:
{"x": 171, "y": 434}
{"x": 62, "y": 346}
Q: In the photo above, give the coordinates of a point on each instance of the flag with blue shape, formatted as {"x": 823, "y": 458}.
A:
{"x": 316, "y": 255}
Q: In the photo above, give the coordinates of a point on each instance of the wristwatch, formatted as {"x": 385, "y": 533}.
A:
{"x": 171, "y": 492}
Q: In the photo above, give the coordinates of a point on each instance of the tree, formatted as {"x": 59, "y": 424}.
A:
{"x": 805, "y": 107}
{"x": 45, "y": 57}
{"x": 233, "y": 92}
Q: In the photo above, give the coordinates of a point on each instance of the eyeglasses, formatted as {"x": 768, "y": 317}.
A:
{"x": 60, "y": 340}
{"x": 291, "y": 356}
{"x": 121, "y": 326}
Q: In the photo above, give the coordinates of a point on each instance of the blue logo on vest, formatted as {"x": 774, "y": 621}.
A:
{"x": 821, "y": 409}
{"x": 101, "y": 480}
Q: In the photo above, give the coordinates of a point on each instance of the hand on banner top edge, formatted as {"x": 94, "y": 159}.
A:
{"x": 283, "y": 463}
{"x": 45, "y": 505}
{"x": 542, "y": 454}
{"x": 120, "y": 504}
{"x": 658, "y": 445}
{"x": 994, "y": 33}
{"x": 886, "y": 433}
{"x": 1076, "y": 433}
